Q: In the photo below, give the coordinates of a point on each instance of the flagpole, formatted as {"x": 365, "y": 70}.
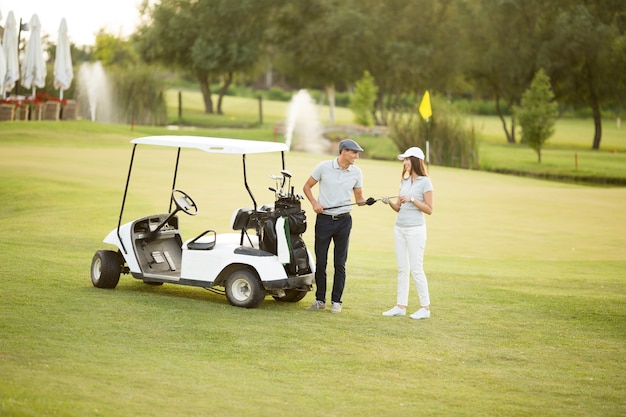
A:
{"x": 425, "y": 110}
{"x": 428, "y": 143}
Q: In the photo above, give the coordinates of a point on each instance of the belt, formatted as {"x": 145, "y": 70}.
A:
{"x": 335, "y": 216}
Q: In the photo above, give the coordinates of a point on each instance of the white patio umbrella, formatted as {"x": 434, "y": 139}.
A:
{"x": 9, "y": 45}
{"x": 3, "y": 71}
{"x": 3, "y": 66}
{"x": 33, "y": 65}
{"x": 63, "y": 71}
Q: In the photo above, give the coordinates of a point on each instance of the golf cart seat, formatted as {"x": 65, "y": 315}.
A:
{"x": 243, "y": 219}
{"x": 203, "y": 245}
{"x": 247, "y": 218}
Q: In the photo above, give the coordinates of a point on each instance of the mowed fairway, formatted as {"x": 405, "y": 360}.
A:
{"x": 527, "y": 280}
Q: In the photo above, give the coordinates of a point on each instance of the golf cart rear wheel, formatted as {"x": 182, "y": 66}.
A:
{"x": 243, "y": 289}
{"x": 106, "y": 267}
{"x": 291, "y": 296}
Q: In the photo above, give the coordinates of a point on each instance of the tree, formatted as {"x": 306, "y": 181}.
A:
{"x": 113, "y": 50}
{"x": 538, "y": 112}
{"x": 503, "y": 42}
{"x": 408, "y": 47}
{"x": 211, "y": 39}
{"x": 318, "y": 43}
{"x": 405, "y": 46}
{"x": 586, "y": 56}
{"x": 362, "y": 102}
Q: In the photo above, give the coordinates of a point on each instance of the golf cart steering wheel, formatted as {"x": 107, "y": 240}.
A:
{"x": 184, "y": 202}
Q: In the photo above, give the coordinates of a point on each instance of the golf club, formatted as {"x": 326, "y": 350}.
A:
{"x": 277, "y": 179}
{"x": 286, "y": 174}
{"x": 368, "y": 202}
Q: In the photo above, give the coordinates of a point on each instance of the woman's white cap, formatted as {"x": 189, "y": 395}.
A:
{"x": 413, "y": 151}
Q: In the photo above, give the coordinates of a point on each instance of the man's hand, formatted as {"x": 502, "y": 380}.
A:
{"x": 317, "y": 207}
{"x": 370, "y": 201}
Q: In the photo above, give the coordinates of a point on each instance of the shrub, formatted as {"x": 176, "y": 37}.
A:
{"x": 139, "y": 96}
{"x": 450, "y": 141}
{"x": 278, "y": 94}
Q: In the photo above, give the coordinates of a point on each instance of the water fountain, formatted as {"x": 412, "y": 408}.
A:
{"x": 303, "y": 131}
{"x": 95, "y": 90}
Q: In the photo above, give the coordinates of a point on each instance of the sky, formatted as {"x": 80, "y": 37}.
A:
{"x": 84, "y": 17}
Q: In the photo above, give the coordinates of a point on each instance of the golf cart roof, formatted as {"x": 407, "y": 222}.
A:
{"x": 213, "y": 145}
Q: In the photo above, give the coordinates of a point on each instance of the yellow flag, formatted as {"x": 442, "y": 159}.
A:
{"x": 425, "y": 109}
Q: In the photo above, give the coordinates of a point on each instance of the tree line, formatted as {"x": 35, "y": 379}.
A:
{"x": 477, "y": 49}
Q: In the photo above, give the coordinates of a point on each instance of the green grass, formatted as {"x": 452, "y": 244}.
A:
{"x": 570, "y": 164}
{"x": 569, "y": 133}
{"x": 526, "y": 277}
{"x": 566, "y": 156}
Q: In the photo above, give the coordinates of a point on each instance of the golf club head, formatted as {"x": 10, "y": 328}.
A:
{"x": 286, "y": 174}
{"x": 278, "y": 179}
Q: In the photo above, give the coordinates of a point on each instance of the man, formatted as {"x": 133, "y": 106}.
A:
{"x": 338, "y": 179}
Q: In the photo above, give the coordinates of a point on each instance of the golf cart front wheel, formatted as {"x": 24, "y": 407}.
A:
{"x": 243, "y": 289}
{"x": 106, "y": 267}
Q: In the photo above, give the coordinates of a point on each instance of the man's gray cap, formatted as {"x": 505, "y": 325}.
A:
{"x": 349, "y": 145}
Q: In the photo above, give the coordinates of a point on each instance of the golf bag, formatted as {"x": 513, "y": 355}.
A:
{"x": 293, "y": 225}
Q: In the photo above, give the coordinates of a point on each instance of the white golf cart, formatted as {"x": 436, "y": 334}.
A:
{"x": 271, "y": 261}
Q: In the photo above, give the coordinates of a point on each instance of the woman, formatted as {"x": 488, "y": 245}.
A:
{"x": 414, "y": 200}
